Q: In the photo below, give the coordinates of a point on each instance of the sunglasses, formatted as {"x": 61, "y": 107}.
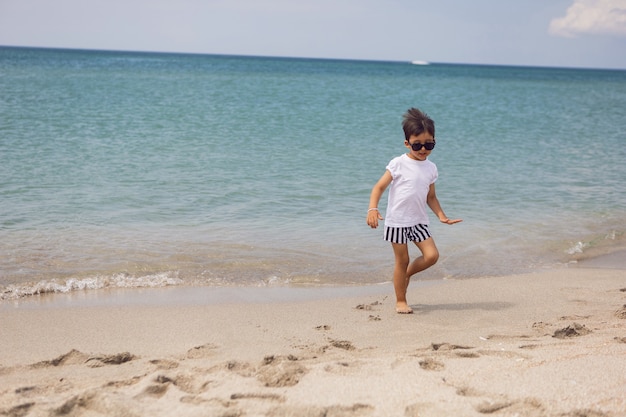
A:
{"x": 417, "y": 146}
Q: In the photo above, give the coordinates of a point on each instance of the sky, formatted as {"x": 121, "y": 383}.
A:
{"x": 555, "y": 33}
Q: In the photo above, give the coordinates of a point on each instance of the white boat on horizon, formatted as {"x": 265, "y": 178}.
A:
{"x": 418, "y": 62}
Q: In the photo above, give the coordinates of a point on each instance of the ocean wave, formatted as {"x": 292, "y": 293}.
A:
{"x": 163, "y": 279}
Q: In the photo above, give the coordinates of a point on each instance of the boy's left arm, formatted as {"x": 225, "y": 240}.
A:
{"x": 433, "y": 203}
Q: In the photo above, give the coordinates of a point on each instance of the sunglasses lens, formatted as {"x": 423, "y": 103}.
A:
{"x": 428, "y": 145}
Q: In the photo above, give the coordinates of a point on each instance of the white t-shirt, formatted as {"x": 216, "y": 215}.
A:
{"x": 408, "y": 191}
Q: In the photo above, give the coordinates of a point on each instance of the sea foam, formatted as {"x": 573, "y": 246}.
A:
{"x": 163, "y": 279}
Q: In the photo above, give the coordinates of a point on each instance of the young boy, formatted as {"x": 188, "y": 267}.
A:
{"x": 412, "y": 177}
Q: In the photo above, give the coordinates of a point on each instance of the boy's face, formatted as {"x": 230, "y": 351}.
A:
{"x": 414, "y": 142}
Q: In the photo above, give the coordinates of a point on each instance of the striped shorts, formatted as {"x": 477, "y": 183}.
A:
{"x": 417, "y": 233}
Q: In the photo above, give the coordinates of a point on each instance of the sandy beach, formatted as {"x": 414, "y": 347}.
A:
{"x": 545, "y": 344}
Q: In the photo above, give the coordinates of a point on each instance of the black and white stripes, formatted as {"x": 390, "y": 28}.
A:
{"x": 417, "y": 233}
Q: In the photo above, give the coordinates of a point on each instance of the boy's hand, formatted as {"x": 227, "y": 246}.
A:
{"x": 450, "y": 221}
{"x": 373, "y": 217}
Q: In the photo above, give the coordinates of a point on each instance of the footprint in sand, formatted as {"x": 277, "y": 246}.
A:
{"x": 494, "y": 404}
{"x": 159, "y": 385}
{"x": 281, "y": 371}
{"x": 457, "y": 350}
{"x": 541, "y": 327}
{"x": 430, "y": 364}
{"x": 447, "y": 346}
{"x": 445, "y": 349}
{"x": 75, "y": 357}
{"x": 184, "y": 382}
{"x": 117, "y": 359}
{"x": 529, "y": 407}
{"x": 368, "y": 307}
{"x": 243, "y": 369}
{"x": 201, "y": 352}
{"x": 274, "y": 371}
{"x": 573, "y": 330}
{"x": 342, "y": 344}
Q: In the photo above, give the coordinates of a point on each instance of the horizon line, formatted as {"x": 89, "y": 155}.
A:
{"x": 408, "y": 61}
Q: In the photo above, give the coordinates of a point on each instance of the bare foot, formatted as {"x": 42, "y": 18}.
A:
{"x": 403, "y": 308}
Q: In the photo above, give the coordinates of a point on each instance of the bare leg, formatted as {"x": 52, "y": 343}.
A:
{"x": 403, "y": 270}
{"x": 400, "y": 279}
{"x": 429, "y": 257}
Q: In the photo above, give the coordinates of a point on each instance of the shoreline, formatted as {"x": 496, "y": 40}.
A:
{"x": 612, "y": 260}
{"x": 202, "y": 294}
{"x": 487, "y": 345}
{"x": 184, "y": 295}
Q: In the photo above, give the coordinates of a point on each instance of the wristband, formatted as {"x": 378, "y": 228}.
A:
{"x": 372, "y": 209}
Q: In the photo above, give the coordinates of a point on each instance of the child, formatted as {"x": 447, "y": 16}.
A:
{"x": 412, "y": 177}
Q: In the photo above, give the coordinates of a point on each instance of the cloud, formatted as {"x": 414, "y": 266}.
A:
{"x": 595, "y": 17}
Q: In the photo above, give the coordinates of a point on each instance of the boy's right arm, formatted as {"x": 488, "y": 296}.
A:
{"x": 373, "y": 215}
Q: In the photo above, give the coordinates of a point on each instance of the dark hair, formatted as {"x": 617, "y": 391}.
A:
{"x": 415, "y": 122}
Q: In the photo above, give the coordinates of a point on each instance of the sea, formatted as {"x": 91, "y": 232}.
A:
{"x": 137, "y": 170}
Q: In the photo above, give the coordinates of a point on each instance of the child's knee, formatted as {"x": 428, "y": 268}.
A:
{"x": 431, "y": 258}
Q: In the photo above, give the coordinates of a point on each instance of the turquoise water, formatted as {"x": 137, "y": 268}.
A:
{"x": 141, "y": 169}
